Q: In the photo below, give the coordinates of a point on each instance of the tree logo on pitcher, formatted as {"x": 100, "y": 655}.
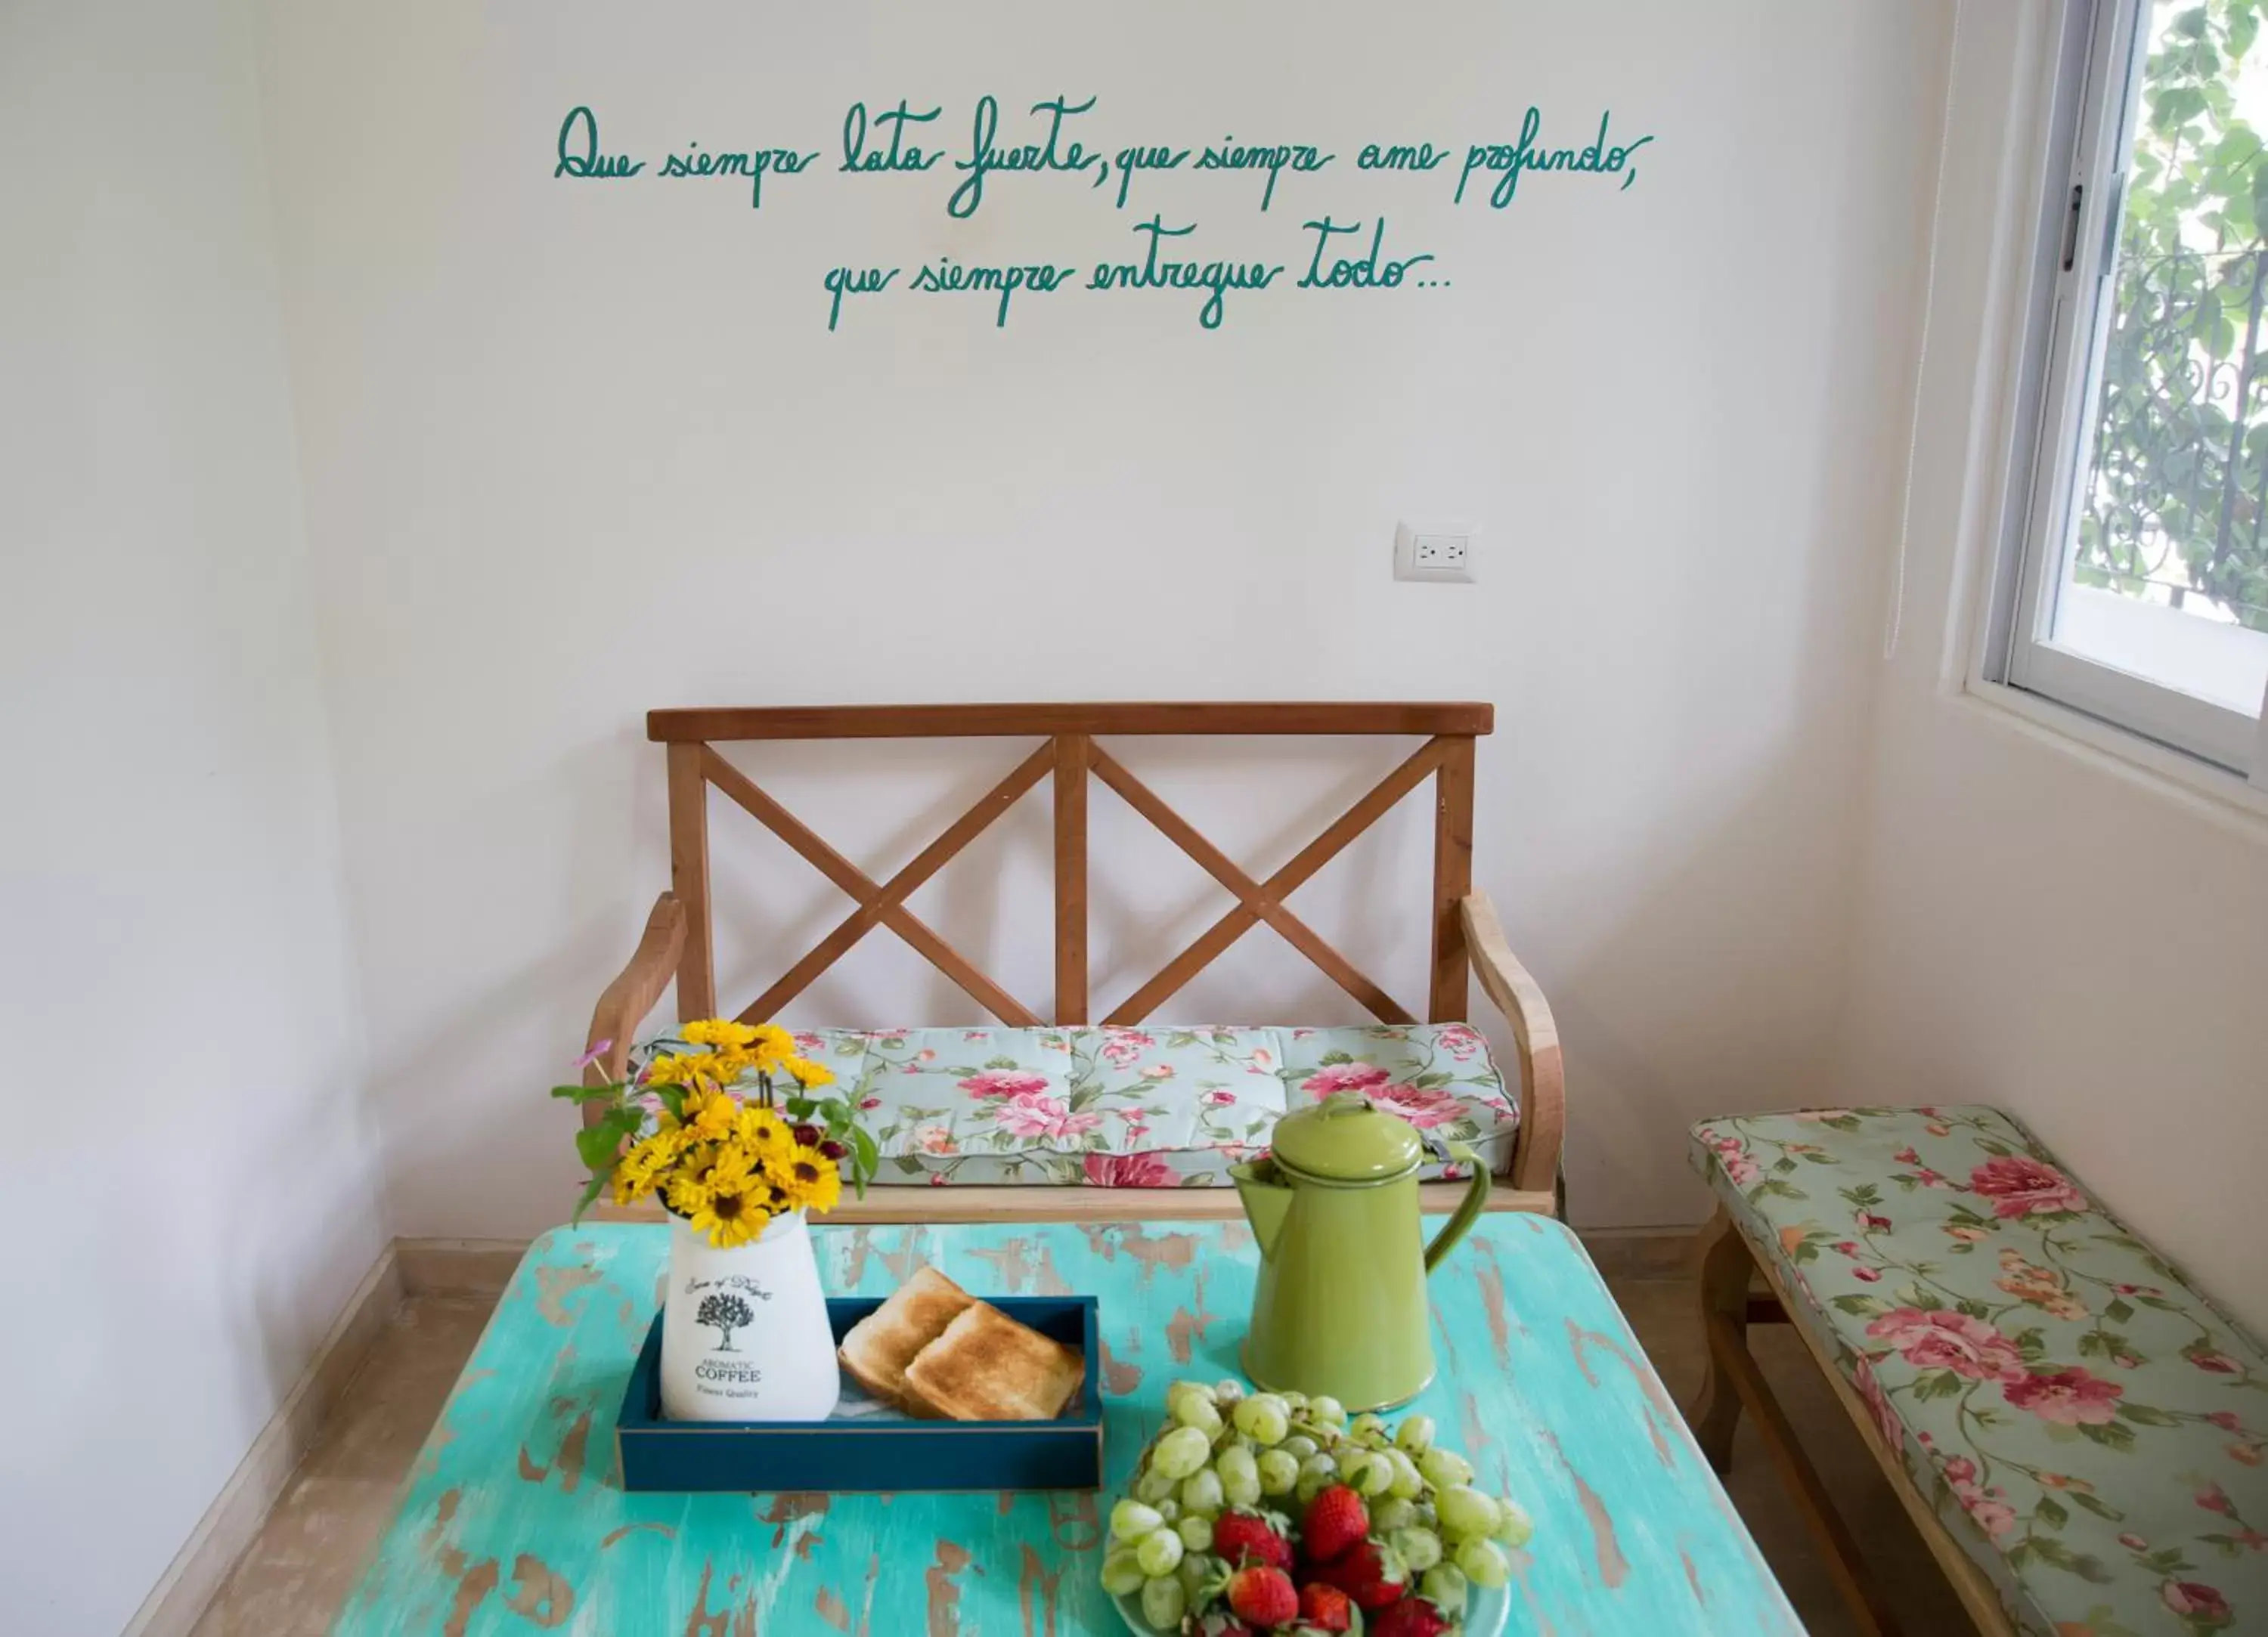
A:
{"x": 725, "y": 1313}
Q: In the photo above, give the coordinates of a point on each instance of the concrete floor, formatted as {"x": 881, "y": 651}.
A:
{"x": 311, "y": 1549}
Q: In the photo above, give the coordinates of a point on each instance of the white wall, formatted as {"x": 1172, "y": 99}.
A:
{"x": 2039, "y": 927}
{"x": 568, "y": 453}
{"x": 191, "y": 1191}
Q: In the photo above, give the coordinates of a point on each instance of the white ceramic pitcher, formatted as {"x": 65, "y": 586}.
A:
{"x": 744, "y": 1331}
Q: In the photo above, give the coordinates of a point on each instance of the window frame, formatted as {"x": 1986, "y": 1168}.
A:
{"x": 2102, "y": 56}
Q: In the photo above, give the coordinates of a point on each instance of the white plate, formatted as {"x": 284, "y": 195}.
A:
{"x": 1486, "y": 1612}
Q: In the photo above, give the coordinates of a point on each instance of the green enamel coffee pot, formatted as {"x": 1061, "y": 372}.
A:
{"x": 1341, "y": 1304}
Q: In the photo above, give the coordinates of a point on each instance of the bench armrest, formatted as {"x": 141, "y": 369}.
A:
{"x": 1543, "y": 1098}
{"x": 634, "y": 993}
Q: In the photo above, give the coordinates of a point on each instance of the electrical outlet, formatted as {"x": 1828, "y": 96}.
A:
{"x": 1434, "y": 551}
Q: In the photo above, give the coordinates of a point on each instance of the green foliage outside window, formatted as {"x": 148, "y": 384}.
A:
{"x": 2176, "y": 508}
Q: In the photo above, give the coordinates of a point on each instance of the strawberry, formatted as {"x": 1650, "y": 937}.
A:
{"x": 1325, "y": 1607}
{"x": 1372, "y": 1575}
{"x": 1263, "y": 1596}
{"x": 1242, "y": 1536}
{"x": 1336, "y": 1518}
{"x": 1413, "y": 1617}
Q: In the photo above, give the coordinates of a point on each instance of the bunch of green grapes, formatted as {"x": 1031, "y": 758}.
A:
{"x": 1446, "y": 1532}
{"x": 1270, "y": 1453}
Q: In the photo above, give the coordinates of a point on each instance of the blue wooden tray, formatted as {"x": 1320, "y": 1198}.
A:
{"x": 882, "y": 1452}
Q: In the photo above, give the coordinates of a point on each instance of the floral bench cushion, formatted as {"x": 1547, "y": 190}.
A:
{"x": 1154, "y": 1107}
{"x": 2086, "y": 1423}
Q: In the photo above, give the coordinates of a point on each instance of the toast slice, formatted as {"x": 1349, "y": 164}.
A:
{"x": 879, "y": 1347}
{"x": 986, "y": 1367}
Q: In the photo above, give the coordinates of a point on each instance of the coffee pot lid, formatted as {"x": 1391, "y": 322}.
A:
{"x": 1347, "y": 1138}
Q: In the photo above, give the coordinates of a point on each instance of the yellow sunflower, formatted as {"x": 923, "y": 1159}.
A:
{"x": 731, "y": 1217}
{"x": 773, "y": 1045}
{"x": 808, "y": 1072}
{"x": 689, "y": 1070}
{"x": 688, "y": 1193}
{"x": 804, "y": 1181}
{"x": 732, "y": 1166}
{"x": 640, "y": 1168}
{"x": 761, "y": 1128}
{"x": 716, "y": 1031}
{"x": 715, "y": 1117}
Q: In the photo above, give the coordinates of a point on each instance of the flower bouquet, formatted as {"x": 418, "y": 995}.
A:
{"x": 701, "y": 1124}
{"x": 731, "y": 1132}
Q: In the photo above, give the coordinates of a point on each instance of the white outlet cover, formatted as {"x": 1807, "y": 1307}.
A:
{"x": 1435, "y": 549}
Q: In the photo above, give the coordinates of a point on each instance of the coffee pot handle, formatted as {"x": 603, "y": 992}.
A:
{"x": 1468, "y": 1212}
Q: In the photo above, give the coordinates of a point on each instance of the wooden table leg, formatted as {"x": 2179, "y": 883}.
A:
{"x": 1725, "y": 1267}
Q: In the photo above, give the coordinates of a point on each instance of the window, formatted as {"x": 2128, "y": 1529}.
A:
{"x": 2136, "y": 585}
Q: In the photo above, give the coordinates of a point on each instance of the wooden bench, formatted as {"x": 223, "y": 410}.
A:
{"x": 1073, "y": 748}
{"x": 2075, "y": 1428}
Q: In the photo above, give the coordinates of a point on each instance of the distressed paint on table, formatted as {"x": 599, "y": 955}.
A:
{"x": 511, "y": 1520}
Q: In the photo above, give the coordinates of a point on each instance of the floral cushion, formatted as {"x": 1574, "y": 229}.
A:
{"x": 1155, "y": 1107}
{"x": 2088, "y": 1424}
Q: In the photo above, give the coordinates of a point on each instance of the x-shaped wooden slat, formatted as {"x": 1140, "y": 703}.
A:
{"x": 1262, "y": 901}
{"x": 882, "y": 904}
{"x": 1070, "y": 758}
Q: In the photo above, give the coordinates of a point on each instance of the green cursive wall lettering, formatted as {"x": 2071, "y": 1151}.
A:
{"x": 1509, "y": 160}
{"x": 854, "y": 282}
{"x": 1150, "y": 272}
{"x": 752, "y": 164}
{"x": 899, "y": 155}
{"x": 579, "y": 150}
{"x": 986, "y": 156}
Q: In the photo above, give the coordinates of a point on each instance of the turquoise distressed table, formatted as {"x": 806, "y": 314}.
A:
{"x": 511, "y": 1520}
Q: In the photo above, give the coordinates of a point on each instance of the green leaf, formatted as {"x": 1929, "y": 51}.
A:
{"x": 2096, "y": 1505}
{"x": 1938, "y": 1384}
{"x": 2143, "y": 1415}
{"x": 597, "y": 1145}
{"x": 2118, "y": 1311}
{"x": 584, "y": 1094}
{"x": 2051, "y": 1512}
{"x": 1973, "y": 1308}
{"x": 1860, "y": 1303}
{"x": 591, "y": 1190}
{"x": 2110, "y": 1435}
{"x": 2175, "y": 106}
{"x": 2052, "y": 1551}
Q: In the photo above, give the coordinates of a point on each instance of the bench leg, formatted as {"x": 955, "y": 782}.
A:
{"x": 1724, "y": 1281}
{"x": 1735, "y": 1382}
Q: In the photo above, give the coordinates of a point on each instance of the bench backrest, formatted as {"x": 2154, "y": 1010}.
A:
{"x": 1069, "y": 753}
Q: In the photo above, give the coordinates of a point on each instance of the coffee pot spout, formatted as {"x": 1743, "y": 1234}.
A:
{"x": 1265, "y": 1202}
